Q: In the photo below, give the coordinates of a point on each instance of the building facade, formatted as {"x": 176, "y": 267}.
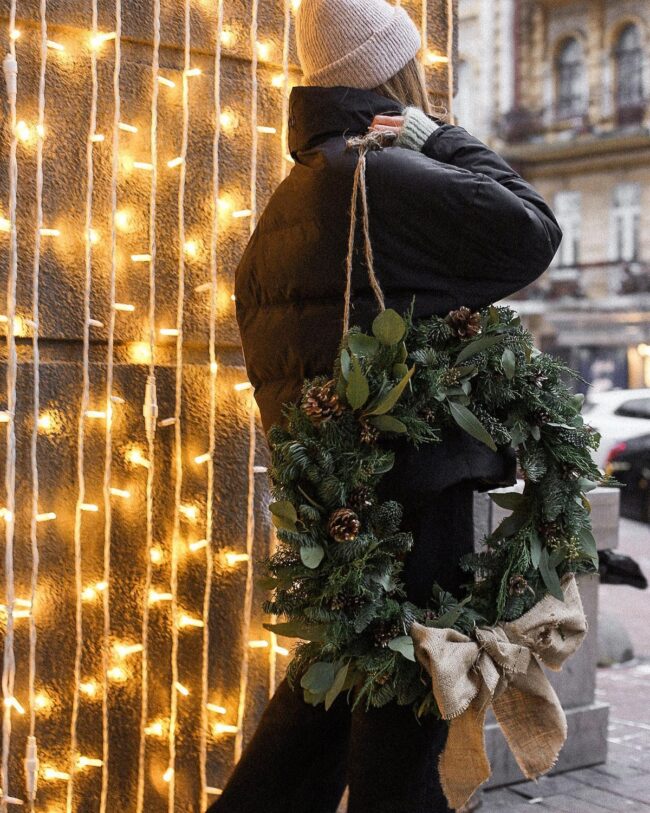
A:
{"x": 562, "y": 89}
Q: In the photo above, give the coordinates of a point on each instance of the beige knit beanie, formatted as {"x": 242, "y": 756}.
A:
{"x": 354, "y": 43}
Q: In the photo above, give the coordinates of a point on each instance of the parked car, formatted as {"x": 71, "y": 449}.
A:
{"x": 629, "y": 462}
{"x": 619, "y": 415}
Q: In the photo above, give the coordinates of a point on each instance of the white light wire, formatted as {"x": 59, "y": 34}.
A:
{"x": 178, "y": 435}
{"x": 31, "y": 759}
{"x": 9, "y": 660}
{"x": 150, "y": 409}
{"x": 248, "y": 591}
{"x": 250, "y": 514}
{"x": 209, "y": 520}
{"x": 83, "y": 407}
{"x": 108, "y": 450}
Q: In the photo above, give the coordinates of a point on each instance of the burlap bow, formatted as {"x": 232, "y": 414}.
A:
{"x": 500, "y": 666}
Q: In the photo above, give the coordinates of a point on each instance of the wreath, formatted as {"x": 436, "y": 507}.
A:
{"x": 335, "y": 573}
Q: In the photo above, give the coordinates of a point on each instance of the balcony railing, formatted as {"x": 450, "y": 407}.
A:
{"x": 522, "y": 124}
{"x": 590, "y": 282}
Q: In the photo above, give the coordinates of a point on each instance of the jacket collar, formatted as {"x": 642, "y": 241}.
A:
{"x": 317, "y": 113}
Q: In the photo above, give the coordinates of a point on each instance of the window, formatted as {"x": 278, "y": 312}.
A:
{"x": 568, "y": 206}
{"x": 570, "y": 70}
{"x": 629, "y": 68}
{"x": 626, "y": 222}
{"x": 635, "y": 408}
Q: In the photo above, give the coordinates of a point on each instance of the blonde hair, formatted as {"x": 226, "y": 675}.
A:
{"x": 409, "y": 89}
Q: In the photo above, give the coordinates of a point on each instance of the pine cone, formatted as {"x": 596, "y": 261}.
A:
{"x": 369, "y": 433}
{"x": 344, "y": 525}
{"x": 360, "y": 498}
{"x": 384, "y": 632}
{"x": 465, "y": 323}
{"x": 321, "y": 402}
{"x": 337, "y": 602}
{"x": 428, "y": 415}
{"x": 517, "y": 585}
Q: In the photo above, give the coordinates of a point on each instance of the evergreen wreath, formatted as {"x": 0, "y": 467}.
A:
{"x": 335, "y": 573}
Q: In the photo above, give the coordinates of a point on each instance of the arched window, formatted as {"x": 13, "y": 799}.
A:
{"x": 570, "y": 70}
{"x": 629, "y": 68}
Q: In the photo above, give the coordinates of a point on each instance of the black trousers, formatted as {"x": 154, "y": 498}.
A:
{"x": 301, "y": 757}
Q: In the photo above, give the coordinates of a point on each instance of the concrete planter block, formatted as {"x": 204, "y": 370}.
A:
{"x": 575, "y": 685}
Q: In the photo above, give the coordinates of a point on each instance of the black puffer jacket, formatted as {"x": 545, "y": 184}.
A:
{"x": 453, "y": 225}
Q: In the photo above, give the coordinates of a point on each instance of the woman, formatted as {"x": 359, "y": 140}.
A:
{"x": 452, "y": 225}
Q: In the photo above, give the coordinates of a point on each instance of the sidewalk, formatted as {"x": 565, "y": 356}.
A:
{"x": 623, "y": 783}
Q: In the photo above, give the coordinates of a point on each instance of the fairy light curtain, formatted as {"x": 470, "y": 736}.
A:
{"x": 134, "y": 661}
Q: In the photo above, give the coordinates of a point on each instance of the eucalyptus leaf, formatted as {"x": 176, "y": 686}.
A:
{"x": 312, "y": 555}
{"x": 403, "y": 645}
{"x": 586, "y": 485}
{"x": 337, "y": 687}
{"x": 535, "y": 431}
{"x": 448, "y": 619}
{"x": 313, "y": 698}
{"x": 284, "y": 515}
{"x": 358, "y": 389}
{"x": 535, "y": 549}
{"x": 510, "y": 500}
{"x": 402, "y": 353}
{"x": 400, "y": 370}
{"x": 549, "y": 575}
{"x": 509, "y": 363}
{"x": 467, "y": 371}
{"x": 392, "y": 396}
{"x": 362, "y": 345}
{"x": 389, "y": 327}
{"x": 319, "y": 677}
{"x": 386, "y": 423}
{"x": 588, "y": 545}
{"x": 477, "y": 346}
{"x": 471, "y": 424}
{"x": 298, "y": 629}
{"x": 345, "y": 364}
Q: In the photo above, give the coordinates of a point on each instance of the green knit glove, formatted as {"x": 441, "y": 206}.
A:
{"x": 416, "y": 130}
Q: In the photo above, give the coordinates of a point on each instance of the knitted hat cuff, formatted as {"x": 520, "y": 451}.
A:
{"x": 376, "y": 60}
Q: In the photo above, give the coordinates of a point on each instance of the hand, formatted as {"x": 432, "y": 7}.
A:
{"x": 388, "y": 124}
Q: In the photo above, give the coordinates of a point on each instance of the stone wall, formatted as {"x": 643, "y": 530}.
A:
{"x": 96, "y": 563}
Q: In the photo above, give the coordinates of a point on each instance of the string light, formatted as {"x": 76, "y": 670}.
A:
{"x": 228, "y": 37}
{"x": 46, "y": 517}
{"x": 155, "y": 729}
{"x": 89, "y": 688}
{"x": 233, "y": 559}
{"x": 97, "y": 40}
{"x": 52, "y": 775}
{"x": 89, "y": 762}
{"x": 29, "y": 133}
{"x": 156, "y": 556}
{"x": 223, "y": 728}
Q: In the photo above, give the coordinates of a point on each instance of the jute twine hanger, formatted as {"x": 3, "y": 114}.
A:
{"x": 364, "y": 144}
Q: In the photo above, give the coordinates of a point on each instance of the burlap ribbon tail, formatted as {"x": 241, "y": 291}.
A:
{"x": 501, "y": 667}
